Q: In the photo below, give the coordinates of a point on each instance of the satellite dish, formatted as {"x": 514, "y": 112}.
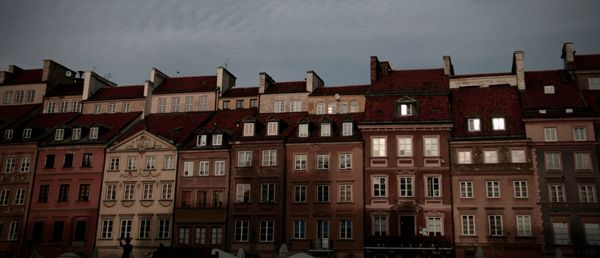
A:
{"x": 337, "y": 96}
{"x": 68, "y": 73}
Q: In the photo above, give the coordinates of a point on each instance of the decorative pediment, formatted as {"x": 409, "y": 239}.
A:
{"x": 406, "y": 99}
{"x": 407, "y": 206}
{"x": 142, "y": 141}
{"x": 405, "y": 172}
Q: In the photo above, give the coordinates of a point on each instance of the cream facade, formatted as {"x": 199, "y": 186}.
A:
{"x": 113, "y": 106}
{"x": 332, "y": 105}
{"x": 183, "y": 102}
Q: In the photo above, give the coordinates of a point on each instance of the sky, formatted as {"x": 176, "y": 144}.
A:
{"x": 123, "y": 40}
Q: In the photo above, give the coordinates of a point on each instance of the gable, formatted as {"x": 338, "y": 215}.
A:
{"x": 140, "y": 142}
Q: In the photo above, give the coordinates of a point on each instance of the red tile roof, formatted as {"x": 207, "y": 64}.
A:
{"x": 187, "y": 84}
{"x": 228, "y": 121}
{"x": 430, "y": 108}
{"x": 24, "y": 77}
{"x": 586, "y": 62}
{"x": 42, "y": 125}
{"x": 287, "y": 125}
{"x": 411, "y": 80}
{"x": 342, "y": 90}
{"x": 121, "y": 92}
{"x": 13, "y": 112}
{"x": 241, "y": 92}
{"x": 592, "y": 97}
{"x": 287, "y": 87}
{"x": 177, "y": 126}
{"x": 336, "y": 121}
{"x": 114, "y": 123}
{"x": 485, "y": 104}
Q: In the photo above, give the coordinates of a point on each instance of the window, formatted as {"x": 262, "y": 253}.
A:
{"x": 266, "y": 231}
{"x": 241, "y": 231}
{"x": 253, "y": 103}
{"x": 125, "y": 107}
{"x": 84, "y": 193}
{"x": 323, "y": 161}
{"x": 57, "y": 231}
{"x": 594, "y": 83}
{"x": 269, "y": 158}
{"x": 199, "y": 235}
{"x": 49, "y": 161}
{"x": 490, "y": 156}
{"x": 144, "y": 229}
{"x": 203, "y": 103}
{"x": 406, "y": 109}
{"x": 20, "y": 197}
{"x": 299, "y": 194}
{"x": 93, "y": 133}
{"x": 27, "y": 133}
{"x": 325, "y": 129}
{"x": 405, "y": 148}
{"x": 4, "y": 195}
{"x": 299, "y": 229}
{"x": 380, "y": 225}
{"x": 300, "y": 161}
{"x": 434, "y": 186}
{"x": 217, "y": 139}
{"x": 219, "y": 168}
{"x": 239, "y": 104}
{"x": 76, "y": 135}
{"x": 29, "y": 96}
{"x": 495, "y": 225}
{"x": 111, "y": 192}
{"x": 107, "y": 228}
{"x": 174, "y": 104}
{"x": 587, "y": 193}
{"x": 272, "y": 128}
{"x": 279, "y": 106}
{"x": 493, "y": 189}
{"x": 202, "y": 198}
{"x": 125, "y": 228}
{"x": 432, "y": 146}
{"x": 8, "y": 98}
{"x": 189, "y": 103}
{"x": 582, "y": 161}
{"x": 557, "y": 193}
{"x": 129, "y": 192}
{"x": 242, "y": 193}
{"x": 345, "y": 161}
{"x": 466, "y": 189}
{"x": 162, "y": 105}
{"x": 244, "y": 158}
{"x": 25, "y": 164}
{"x": 303, "y": 130}
{"x": 579, "y": 134}
{"x": 216, "y": 234}
{"x": 267, "y": 192}
{"x": 561, "y": 233}
{"x": 378, "y": 145}
{"x": 474, "y": 124}
{"x": 167, "y": 191}
{"x": 188, "y": 168}
{"x": 8, "y": 134}
{"x": 354, "y": 106}
{"x": 517, "y": 156}
{"x": 203, "y": 168}
{"x": 43, "y": 195}
{"x": 523, "y": 225}
{"x": 218, "y": 199}
{"x": 592, "y": 233}
{"x": 295, "y": 106}
{"x": 112, "y": 108}
{"x": 323, "y": 231}
{"x": 59, "y": 135}
{"x": 548, "y": 89}
{"x": 498, "y": 123}
{"x": 343, "y": 107}
{"x": 347, "y": 128}
{"x": 379, "y": 186}
{"x": 321, "y": 108}
{"x": 520, "y": 189}
{"x": 150, "y": 163}
{"x": 322, "y": 193}
{"x": 184, "y": 235}
{"x": 550, "y": 134}
{"x": 87, "y": 160}
{"x": 248, "y": 129}
{"x": 19, "y": 97}
{"x": 49, "y": 109}
{"x": 345, "y": 193}
{"x": 169, "y": 162}
{"x": 76, "y": 106}
{"x": 63, "y": 193}
{"x": 164, "y": 228}
{"x": 345, "y": 229}
{"x": 13, "y": 230}
{"x": 9, "y": 165}
{"x": 148, "y": 191}
{"x": 406, "y": 186}
{"x": 434, "y": 226}
{"x": 331, "y": 108}
{"x": 201, "y": 140}
{"x": 468, "y": 225}
{"x": 464, "y": 157}
{"x": 131, "y": 163}
{"x": 552, "y": 161}
{"x": 97, "y": 109}
{"x": 68, "y": 160}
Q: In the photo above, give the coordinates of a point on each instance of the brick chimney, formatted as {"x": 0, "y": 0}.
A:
{"x": 264, "y": 82}
{"x": 14, "y": 69}
{"x": 225, "y": 80}
{"x": 93, "y": 82}
{"x": 374, "y": 69}
{"x": 568, "y": 54}
{"x": 448, "y": 67}
{"x": 313, "y": 81}
{"x": 157, "y": 77}
{"x": 518, "y": 68}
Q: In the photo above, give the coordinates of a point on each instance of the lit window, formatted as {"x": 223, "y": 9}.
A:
{"x": 405, "y": 148}
{"x": 432, "y": 146}
{"x": 331, "y": 108}
{"x": 378, "y": 147}
{"x": 550, "y": 134}
{"x": 464, "y": 157}
{"x": 474, "y": 124}
{"x": 549, "y": 89}
{"x": 217, "y": 139}
{"x": 201, "y": 140}
{"x": 303, "y": 130}
{"x": 219, "y": 167}
{"x": 579, "y": 134}
{"x": 466, "y": 189}
{"x": 354, "y": 106}
{"x": 435, "y": 226}
{"x": 498, "y": 123}
{"x": 248, "y": 129}
{"x": 188, "y": 168}
{"x": 242, "y": 193}
{"x": 493, "y": 189}
{"x": 517, "y": 156}
{"x": 272, "y": 128}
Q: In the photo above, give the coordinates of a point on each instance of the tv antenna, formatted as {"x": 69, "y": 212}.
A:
{"x": 226, "y": 61}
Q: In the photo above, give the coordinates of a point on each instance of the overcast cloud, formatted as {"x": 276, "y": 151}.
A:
{"x": 286, "y": 38}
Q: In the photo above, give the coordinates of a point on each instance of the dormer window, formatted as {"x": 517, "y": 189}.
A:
{"x": 76, "y": 134}
{"x": 8, "y": 134}
{"x": 347, "y": 129}
{"x": 248, "y": 129}
{"x": 94, "y": 133}
{"x": 474, "y": 124}
{"x": 201, "y": 140}
{"x": 59, "y": 135}
{"x": 325, "y": 129}
{"x": 303, "y": 130}
{"x": 498, "y": 123}
{"x": 549, "y": 89}
{"x": 406, "y": 106}
{"x": 217, "y": 139}
{"x": 272, "y": 128}
{"x": 27, "y": 133}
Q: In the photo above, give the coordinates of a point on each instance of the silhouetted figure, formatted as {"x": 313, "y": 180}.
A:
{"x": 127, "y": 247}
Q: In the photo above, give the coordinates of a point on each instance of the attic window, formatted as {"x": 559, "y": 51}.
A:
{"x": 217, "y": 139}
{"x": 27, "y": 133}
{"x": 474, "y": 124}
{"x": 498, "y": 123}
{"x": 542, "y": 111}
{"x": 248, "y": 129}
{"x": 549, "y": 89}
{"x": 594, "y": 83}
{"x": 272, "y": 128}
{"x": 59, "y": 135}
{"x": 94, "y": 133}
{"x": 8, "y": 134}
{"x": 325, "y": 129}
{"x": 76, "y": 134}
{"x": 347, "y": 129}
{"x": 405, "y": 106}
{"x": 201, "y": 140}
{"x": 569, "y": 110}
{"x": 303, "y": 130}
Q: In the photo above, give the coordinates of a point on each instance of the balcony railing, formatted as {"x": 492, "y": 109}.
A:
{"x": 321, "y": 244}
{"x": 412, "y": 242}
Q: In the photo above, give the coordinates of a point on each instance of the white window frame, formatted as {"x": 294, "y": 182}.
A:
{"x": 279, "y": 106}
{"x": 59, "y": 134}
{"x": 433, "y": 186}
{"x": 552, "y": 160}
{"x": 495, "y": 227}
{"x": 243, "y": 193}
{"x": 219, "y": 167}
{"x": 579, "y": 134}
{"x": 27, "y": 133}
{"x": 490, "y": 156}
{"x": 518, "y": 156}
{"x": 406, "y": 186}
{"x": 345, "y": 192}
{"x": 549, "y": 89}
{"x": 492, "y": 189}
{"x": 266, "y": 231}
{"x": 520, "y": 189}
{"x": 345, "y": 161}
{"x": 379, "y": 146}
{"x": 498, "y": 123}
{"x": 248, "y": 129}
{"x": 299, "y": 229}
{"x": 94, "y": 133}
{"x": 431, "y": 146}
{"x": 464, "y": 157}
{"x": 188, "y": 168}
{"x": 466, "y": 189}
{"x": 303, "y": 130}
{"x": 295, "y": 105}
{"x": 76, "y": 134}
{"x": 582, "y": 160}
{"x": 347, "y": 128}
{"x": 587, "y": 193}
{"x": 474, "y": 124}
{"x": 325, "y": 129}
{"x": 201, "y": 140}
{"x": 203, "y": 168}
{"x": 435, "y": 226}
{"x": 592, "y": 233}
{"x": 523, "y": 225}
{"x": 269, "y": 158}
{"x": 379, "y": 185}
{"x": 405, "y": 146}
{"x": 550, "y": 134}
{"x": 244, "y": 158}
{"x": 189, "y": 103}
{"x": 560, "y": 232}
{"x": 241, "y": 228}
{"x": 556, "y": 193}
{"x": 174, "y": 104}
{"x": 300, "y": 194}
{"x": 272, "y": 128}
{"x": 300, "y": 162}
{"x": 323, "y": 161}
{"x": 321, "y": 108}
{"x": 468, "y": 225}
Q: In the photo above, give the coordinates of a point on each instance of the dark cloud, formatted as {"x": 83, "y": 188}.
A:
{"x": 286, "y": 38}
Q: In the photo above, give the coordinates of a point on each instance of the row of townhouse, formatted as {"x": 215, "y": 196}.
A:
{"x": 417, "y": 163}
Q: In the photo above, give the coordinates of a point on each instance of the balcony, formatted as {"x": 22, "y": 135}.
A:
{"x": 321, "y": 245}
{"x": 412, "y": 242}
